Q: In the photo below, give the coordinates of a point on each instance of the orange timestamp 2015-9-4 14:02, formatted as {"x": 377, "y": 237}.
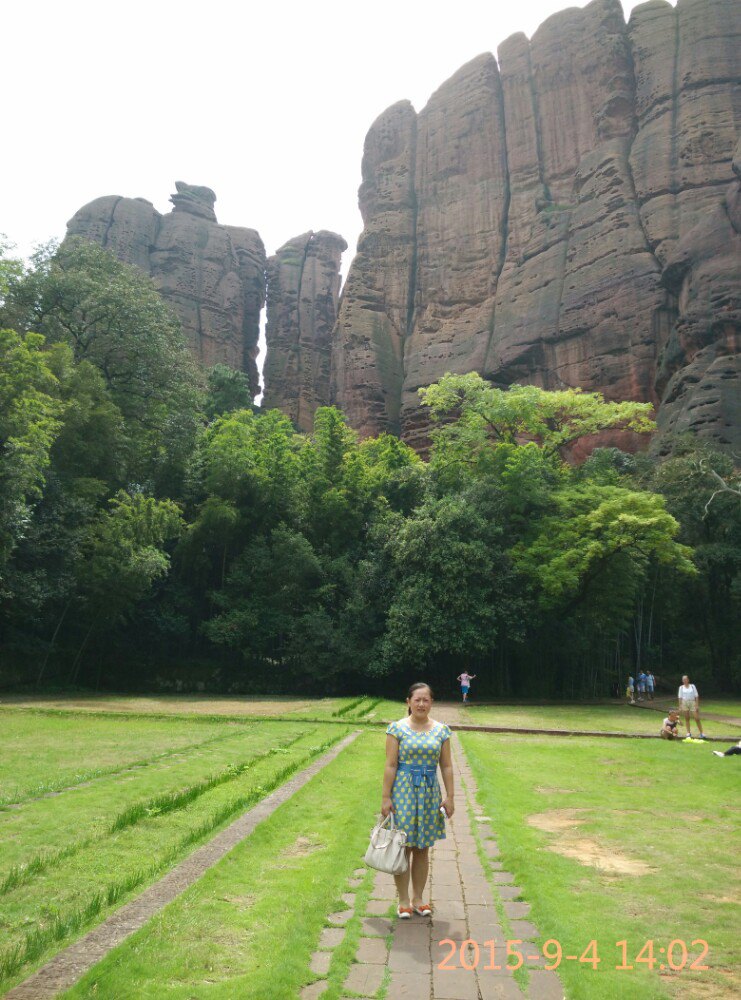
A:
{"x": 494, "y": 955}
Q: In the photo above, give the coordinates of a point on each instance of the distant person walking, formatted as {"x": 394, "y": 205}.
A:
{"x": 464, "y": 680}
{"x": 650, "y": 685}
{"x": 630, "y": 691}
{"x": 689, "y": 704}
{"x": 641, "y": 685}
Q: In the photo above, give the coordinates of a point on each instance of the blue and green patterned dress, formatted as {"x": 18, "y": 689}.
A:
{"x": 416, "y": 797}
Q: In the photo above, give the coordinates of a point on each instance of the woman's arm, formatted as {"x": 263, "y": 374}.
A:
{"x": 446, "y": 766}
{"x": 389, "y": 773}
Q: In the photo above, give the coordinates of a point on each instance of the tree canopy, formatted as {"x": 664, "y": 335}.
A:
{"x": 157, "y": 529}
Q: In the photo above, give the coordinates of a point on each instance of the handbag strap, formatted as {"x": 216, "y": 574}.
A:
{"x": 385, "y": 820}
{"x": 377, "y": 829}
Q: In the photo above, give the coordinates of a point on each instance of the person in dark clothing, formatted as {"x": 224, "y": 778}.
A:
{"x": 730, "y": 752}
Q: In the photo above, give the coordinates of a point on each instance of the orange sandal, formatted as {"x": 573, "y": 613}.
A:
{"x": 424, "y": 910}
{"x": 404, "y": 912}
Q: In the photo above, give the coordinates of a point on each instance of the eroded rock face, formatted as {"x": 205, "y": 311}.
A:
{"x": 212, "y": 275}
{"x": 700, "y": 369}
{"x": 303, "y": 290}
{"x": 377, "y": 300}
{"x": 560, "y": 218}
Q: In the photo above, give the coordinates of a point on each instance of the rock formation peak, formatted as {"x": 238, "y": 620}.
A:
{"x": 213, "y": 276}
{"x": 194, "y": 199}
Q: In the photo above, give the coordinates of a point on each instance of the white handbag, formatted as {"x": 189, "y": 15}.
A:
{"x": 386, "y": 851}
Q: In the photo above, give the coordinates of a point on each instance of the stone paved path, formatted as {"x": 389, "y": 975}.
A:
{"x": 64, "y": 970}
{"x": 469, "y": 911}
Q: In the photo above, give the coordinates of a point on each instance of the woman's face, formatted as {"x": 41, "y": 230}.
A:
{"x": 420, "y": 703}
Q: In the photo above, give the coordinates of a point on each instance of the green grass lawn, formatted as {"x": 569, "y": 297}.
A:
{"x": 248, "y": 927}
{"x": 65, "y": 859}
{"x": 614, "y": 841}
{"x": 185, "y": 705}
{"x": 44, "y": 753}
{"x": 601, "y": 718}
{"x": 722, "y": 706}
{"x": 610, "y": 840}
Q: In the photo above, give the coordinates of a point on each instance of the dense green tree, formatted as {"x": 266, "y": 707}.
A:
{"x": 701, "y": 617}
{"x": 111, "y": 316}
{"x": 228, "y": 390}
{"x": 486, "y": 417}
{"x": 451, "y": 582}
{"x": 29, "y": 422}
{"x": 124, "y": 554}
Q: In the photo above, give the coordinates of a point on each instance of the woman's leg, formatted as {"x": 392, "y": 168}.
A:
{"x": 697, "y": 720}
{"x": 402, "y": 881}
{"x": 420, "y": 870}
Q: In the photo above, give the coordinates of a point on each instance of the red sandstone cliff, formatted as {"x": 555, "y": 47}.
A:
{"x": 562, "y": 218}
{"x": 303, "y": 289}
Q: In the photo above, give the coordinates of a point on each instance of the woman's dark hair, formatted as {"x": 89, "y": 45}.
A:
{"x": 416, "y": 687}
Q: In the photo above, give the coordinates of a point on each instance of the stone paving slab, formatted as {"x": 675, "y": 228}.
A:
{"x": 320, "y": 962}
{"x": 545, "y": 985}
{"x": 409, "y": 986}
{"x": 372, "y": 951}
{"x": 524, "y": 930}
{"x": 365, "y": 979}
{"x": 331, "y": 937}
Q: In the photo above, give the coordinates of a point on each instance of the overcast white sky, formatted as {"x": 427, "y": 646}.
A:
{"x": 267, "y": 103}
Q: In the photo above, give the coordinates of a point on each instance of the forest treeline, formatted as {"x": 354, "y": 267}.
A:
{"x": 158, "y": 532}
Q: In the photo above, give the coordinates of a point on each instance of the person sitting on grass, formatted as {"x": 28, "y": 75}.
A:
{"x": 669, "y": 728}
{"x": 730, "y": 752}
{"x": 689, "y": 702}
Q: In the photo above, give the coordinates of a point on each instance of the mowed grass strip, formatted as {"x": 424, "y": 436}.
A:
{"x": 36, "y": 918}
{"x": 157, "y": 805}
{"x": 618, "y": 841}
{"x": 248, "y": 928}
{"x": 79, "y": 815}
{"x": 595, "y": 718}
{"x": 193, "y": 707}
{"x": 42, "y": 753}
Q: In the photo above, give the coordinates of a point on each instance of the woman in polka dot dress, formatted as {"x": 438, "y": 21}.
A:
{"x": 414, "y": 747}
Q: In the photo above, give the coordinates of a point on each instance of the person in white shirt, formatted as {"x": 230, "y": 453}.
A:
{"x": 689, "y": 702}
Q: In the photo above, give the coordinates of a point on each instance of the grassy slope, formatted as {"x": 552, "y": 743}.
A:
{"x": 87, "y": 811}
{"x": 42, "y": 753}
{"x": 184, "y": 705}
{"x": 101, "y": 861}
{"x": 673, "y": 806}
{"x": 248, "y": 927}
